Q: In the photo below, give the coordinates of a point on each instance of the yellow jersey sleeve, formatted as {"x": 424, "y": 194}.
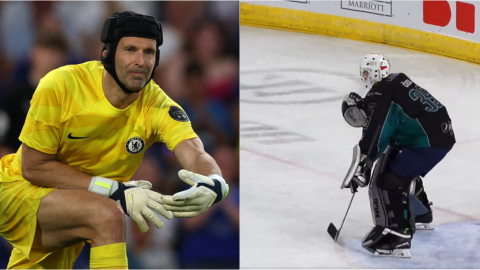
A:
{"x": 172, "y": 124}
{"x": 41, "y": 128}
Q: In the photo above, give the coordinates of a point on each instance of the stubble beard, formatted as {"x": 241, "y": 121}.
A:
{"x": 132, "y": 84}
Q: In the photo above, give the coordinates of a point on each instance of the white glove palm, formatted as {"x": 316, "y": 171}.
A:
{"x": 135, "y": 198}
{"x": 205, "y": 191}
{"x": 140, "y": 202}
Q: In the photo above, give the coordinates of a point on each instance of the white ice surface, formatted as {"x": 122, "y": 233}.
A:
{"x": 296, "y": 149}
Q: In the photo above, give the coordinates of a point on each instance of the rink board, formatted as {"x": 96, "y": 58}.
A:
{"x": 357, "y": 29}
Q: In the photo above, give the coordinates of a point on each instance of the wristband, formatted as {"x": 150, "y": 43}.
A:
{"x": 103, "y": 186}
{"x": 223, "y": 183}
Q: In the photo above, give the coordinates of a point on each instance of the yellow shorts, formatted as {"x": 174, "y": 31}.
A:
{"x": 19, "y": 203}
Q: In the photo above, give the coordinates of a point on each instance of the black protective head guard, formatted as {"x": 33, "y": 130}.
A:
{"x": 128, "y": 24}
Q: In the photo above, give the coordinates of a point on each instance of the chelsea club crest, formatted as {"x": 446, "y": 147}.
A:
{"x": 135, "y": 145}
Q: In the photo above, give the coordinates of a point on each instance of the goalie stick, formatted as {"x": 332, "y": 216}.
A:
{"x": 332, "y": 230}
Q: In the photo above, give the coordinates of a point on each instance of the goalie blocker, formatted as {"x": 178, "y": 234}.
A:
{"x": 359, "y": 171}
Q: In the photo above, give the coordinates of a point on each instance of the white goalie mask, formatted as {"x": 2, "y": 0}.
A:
{"x": 373, "y": 69}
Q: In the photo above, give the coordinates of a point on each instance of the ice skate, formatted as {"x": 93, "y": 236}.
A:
{"x": 385, "y": 242}
{"x": 393, "y": 244}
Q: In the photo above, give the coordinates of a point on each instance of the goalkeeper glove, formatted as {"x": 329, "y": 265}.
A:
{"x": 136, "y": 199}
{"x": 205, "y": 192}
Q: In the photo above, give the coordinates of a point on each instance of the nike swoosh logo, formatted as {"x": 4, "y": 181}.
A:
{"x": 71, "y": 137}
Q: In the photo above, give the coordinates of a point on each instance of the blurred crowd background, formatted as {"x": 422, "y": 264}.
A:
{"x": 199, "y": 69}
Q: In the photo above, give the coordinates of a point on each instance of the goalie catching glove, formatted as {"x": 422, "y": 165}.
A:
{"x": 354, "y": 110}
{"x": 136, "y": 199}
{"x": 205, "y": 192}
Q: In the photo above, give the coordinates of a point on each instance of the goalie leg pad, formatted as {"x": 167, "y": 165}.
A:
{"x": 394, "y": 224}
{"x": 389, "y": 201}
{"x": 420, "y": 205}
{"x": 417, "y": 199}
{"x": 388, "y": 194}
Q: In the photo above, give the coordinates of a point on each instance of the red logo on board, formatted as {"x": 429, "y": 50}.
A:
{"x": 439, "y": 13}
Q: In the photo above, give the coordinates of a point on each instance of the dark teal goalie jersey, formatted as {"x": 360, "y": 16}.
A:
{"x": 406, "y": 114}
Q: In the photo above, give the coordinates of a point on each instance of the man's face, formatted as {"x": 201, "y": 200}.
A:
{"x": 134, "y": 61}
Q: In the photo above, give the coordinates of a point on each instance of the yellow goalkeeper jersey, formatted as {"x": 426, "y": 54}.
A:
{"x": 70, "y": 117}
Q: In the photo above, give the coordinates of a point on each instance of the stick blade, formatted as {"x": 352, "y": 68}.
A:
{"x": 332, "y": 230}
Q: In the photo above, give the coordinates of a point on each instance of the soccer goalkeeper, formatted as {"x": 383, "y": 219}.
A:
{"x": 85, "y": 135}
